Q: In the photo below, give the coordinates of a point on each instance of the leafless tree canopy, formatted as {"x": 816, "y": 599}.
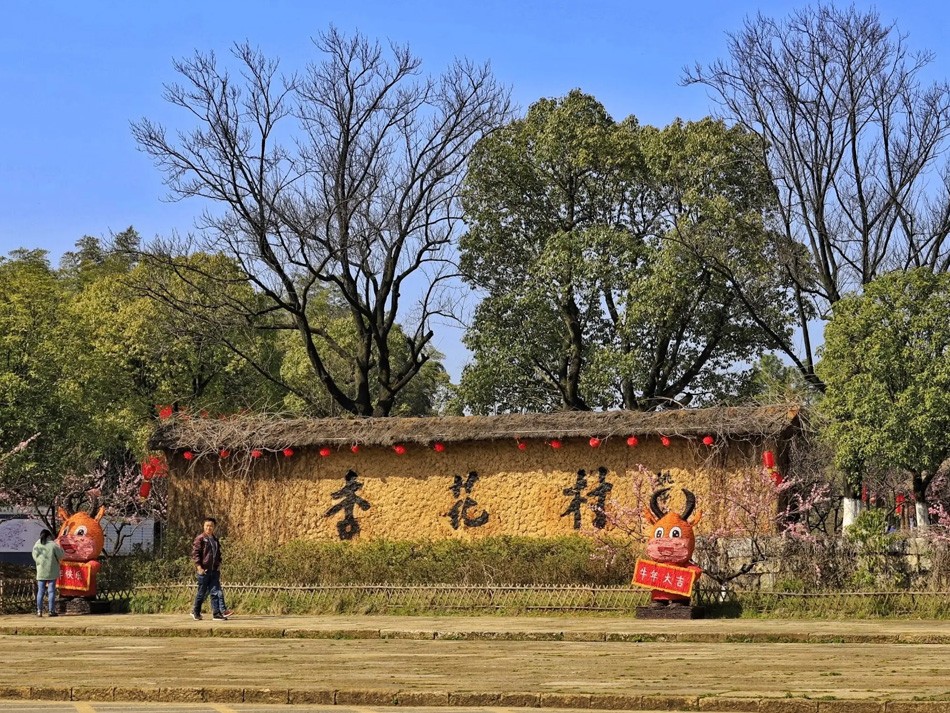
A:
{"x": 341, "y": 180}
{"x": 855, "y": 141}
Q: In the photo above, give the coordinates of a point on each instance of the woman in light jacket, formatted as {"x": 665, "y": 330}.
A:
{"x": 47, "y": 554}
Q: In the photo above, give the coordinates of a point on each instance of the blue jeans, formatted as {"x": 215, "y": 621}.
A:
{"x": 49, "y": 586}
{"x": 209, "y": 583}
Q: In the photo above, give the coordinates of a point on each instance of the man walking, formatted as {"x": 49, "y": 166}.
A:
{"x": 206, "y": 554}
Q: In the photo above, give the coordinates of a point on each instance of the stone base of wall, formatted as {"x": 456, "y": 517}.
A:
{"x": 670, "y": 612}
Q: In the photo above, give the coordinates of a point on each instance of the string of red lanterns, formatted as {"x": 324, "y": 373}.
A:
{"x": 439, "y": 447}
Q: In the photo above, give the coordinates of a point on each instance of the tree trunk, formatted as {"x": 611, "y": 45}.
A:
{"x": 850, "y": 508}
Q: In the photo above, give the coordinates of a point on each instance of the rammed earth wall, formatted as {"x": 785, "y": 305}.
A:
{"x": 425, "y": 494}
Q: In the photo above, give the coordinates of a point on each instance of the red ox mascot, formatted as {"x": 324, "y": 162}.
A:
{"x": 669, "y": 571}
{"x": 82, "y": 538}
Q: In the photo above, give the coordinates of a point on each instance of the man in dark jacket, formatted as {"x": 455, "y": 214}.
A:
{"x": 206, "y": 554}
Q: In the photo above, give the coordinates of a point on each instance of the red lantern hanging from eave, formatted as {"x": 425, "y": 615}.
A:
{"x": 665, "y": 441}
{"x": 256, "y": 453}
{"x": 324, "y": 452}
{"x": 708, "y": 440}
{"x": 288, "y": 452}
{"x": 594, "y": 442}
{"x": 224, "y": 453}
{"x": 400, "y": 449}
{"x": 632, "y": 441}
{"x": 555, "y": 444}
{"x": 187, "y": 455}
{"x": 522, "y": 446}
{"x": 438, "y": 447}
{"x": 355, "y": 448}
{"x": 768, "y": 459}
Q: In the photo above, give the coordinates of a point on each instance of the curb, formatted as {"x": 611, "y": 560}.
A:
{"x": 374, "y": 697}
{"x": 231, "y": 631}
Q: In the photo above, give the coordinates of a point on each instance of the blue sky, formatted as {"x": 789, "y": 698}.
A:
{"x": 74, "y": 75}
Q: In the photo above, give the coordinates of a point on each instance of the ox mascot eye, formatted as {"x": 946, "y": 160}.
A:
{"x": 658, "y": 533}
{"x": 81, "y": 531}
{"x": 675, "y": 532}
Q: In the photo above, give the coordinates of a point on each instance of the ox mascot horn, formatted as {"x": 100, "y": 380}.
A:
{"x": 669, "y": 571}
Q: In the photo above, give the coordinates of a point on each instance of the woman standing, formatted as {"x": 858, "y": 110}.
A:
{"x": 47, "y": 554}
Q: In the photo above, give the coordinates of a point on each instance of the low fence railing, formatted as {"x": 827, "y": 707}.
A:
{"x": 17, "y": 595}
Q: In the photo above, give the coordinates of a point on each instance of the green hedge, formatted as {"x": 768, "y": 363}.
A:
{"x": 494, "y": 560}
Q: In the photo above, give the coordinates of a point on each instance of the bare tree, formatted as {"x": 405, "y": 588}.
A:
{"x": 340, "y": 181}
{"x": 854, "y": 140}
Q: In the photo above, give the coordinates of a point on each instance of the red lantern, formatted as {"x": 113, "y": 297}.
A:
{"x": 224, "y": 453}
{"x": 522, "y": 446}
{"x": 355, "y": 448}
{"x": 438, "y": 447}
{"x": 777, "y": 478}
{"x": 768, "y": 459}
{"x": 289, "y": 452}
{"x": 187, "y": 455}
{"x": 323, "y": 452}
{"x": 665, "y": 441}
{"x": 594, "y": 442}
{"x": 400, "y": 449}
{"x": 632, "y": 441}
{"x": 708, "y": 441}
{"x": 555, "y": 444}
{"x": 256, "y": 453}
{"x": 145, "y": 489}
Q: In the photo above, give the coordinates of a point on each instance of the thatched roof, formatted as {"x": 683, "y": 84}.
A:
{"x": 208, "y": 435}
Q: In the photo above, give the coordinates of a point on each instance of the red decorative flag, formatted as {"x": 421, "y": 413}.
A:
{"x": 665, "y": 577}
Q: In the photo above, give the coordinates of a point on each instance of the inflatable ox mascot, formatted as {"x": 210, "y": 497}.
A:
{"x": 82, "y": 538}
{"x": 669, "y": 571}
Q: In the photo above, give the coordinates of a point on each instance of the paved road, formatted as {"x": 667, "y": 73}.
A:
{"x": 467, "y": 662}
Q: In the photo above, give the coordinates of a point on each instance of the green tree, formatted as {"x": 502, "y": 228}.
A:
{"x": 886, "y": 364}
{"x": 585, "y": 236}
{"x": 85, "y": 357}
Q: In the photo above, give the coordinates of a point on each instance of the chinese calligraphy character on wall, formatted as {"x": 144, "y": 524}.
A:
{"x": 460, "y": 514}
{"x": 348, "y": 527}
{"x": 598, "y": 493}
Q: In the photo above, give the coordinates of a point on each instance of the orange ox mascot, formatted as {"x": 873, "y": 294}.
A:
{"x": 669, "y": 571}
{"x": 82, "y": 538}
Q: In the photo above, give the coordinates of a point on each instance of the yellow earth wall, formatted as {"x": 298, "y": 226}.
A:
{"x": 411, "y": 496}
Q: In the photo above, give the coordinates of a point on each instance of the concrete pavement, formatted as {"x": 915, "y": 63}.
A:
{"x": 772, "y": 666}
